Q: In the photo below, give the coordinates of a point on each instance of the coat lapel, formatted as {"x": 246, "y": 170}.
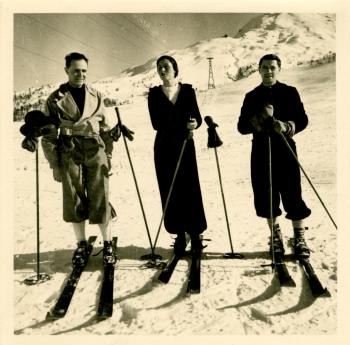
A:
{"x": 70, "y": 108}
{"x": 91, "y": 103}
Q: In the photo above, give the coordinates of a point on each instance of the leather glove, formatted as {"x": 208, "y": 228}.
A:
{"x": 267, "y": 111}
{"x": 192, "y": 124}
{"x": 260, "y": 121}
{"x": 127, "y": 133}
{"x": 30, "y": 144}
{"x": 280, "y": 126}
{"x": 115, "y": 132}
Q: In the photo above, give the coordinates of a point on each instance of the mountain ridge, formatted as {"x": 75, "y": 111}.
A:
{"x": 300, "y": 39}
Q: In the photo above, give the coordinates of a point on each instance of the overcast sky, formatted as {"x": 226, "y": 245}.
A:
{"x": 112, "y": 41}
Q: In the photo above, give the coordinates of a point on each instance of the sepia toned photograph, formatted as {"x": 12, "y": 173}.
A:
{"x": 174, "y": 173}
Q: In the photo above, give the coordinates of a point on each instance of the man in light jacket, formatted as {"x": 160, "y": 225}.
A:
{"x": 79, "y": 153}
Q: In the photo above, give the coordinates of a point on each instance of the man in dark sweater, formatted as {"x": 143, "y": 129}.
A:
{"x": 274, "y": 109}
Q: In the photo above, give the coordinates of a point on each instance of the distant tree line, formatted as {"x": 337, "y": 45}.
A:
{"x": 34, "y": 99}
{"x": 23, "y": 104}
{"x": 243, "y": 72}
{"x": 328, "y": 58}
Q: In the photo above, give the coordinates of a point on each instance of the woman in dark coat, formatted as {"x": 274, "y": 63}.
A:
{"x": 174, "y": 115}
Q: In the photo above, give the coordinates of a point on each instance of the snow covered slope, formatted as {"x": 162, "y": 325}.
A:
{"x": 239, "y": 297}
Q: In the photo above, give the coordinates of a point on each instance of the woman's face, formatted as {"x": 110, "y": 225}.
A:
{"x": 166, "y": 70}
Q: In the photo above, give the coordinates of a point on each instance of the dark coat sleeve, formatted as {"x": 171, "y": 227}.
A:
{"x": 287, "y": 107}
{"x": 195, "y": 113}
{"x": 300, "y": 118}
{"x": 244, "y": 126}
{"x": 153, "y": 109}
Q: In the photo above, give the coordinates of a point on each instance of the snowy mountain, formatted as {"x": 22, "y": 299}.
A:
{"x": 298, "y": 39}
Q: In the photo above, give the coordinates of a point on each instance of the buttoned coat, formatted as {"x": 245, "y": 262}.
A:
{"x": 185, "y": 210}
{"x": 285, "y": 170}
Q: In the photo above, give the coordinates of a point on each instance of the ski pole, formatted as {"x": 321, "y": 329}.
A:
{"x": 214, "y": 142}
{"x": 40, "y": 277}
{"x": 312, "y": 186}
{"x": 153, "y": 256}
{"x": 172, "y": 185}
{"x": 272, "y": 229}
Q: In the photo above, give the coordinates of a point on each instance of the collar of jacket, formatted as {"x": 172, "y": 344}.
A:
{"x": 274, "y": 86}
{"x": 69, "y": 108}
{"x": 63, "y": 89}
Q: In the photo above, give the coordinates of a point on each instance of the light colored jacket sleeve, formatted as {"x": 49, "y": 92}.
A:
{"x": 49, "y": 142}
{"x": 104, "y": 123}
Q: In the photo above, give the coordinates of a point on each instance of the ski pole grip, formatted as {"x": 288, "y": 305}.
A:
{"x": 118, "y": 116}
{"x": 209, "y": 120}
{"x": 213, "y": 137}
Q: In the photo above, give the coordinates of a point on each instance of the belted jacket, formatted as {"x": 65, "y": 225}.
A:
{"x": 65, "y": 114}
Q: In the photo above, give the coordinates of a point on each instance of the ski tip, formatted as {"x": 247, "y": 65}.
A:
{"x": 322, "y": 293}
{"x": 53, "y": 316}
{"x": 289, "y": 283}
{"x": 163, "y": 279}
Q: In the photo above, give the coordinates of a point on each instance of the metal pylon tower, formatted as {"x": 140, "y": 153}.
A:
{"x": 211, "y": 84}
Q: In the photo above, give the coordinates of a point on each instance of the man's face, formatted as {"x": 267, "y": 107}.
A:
{"x": 269, "y": 70}
{"x": 77, "y": 73}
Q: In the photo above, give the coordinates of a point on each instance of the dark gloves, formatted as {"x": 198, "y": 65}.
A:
{"x": 265, "y": 122}
{"x": 109, "y": 102}
{"x": 279, "y": 126}
{"x": 287, "y": 128}
{"x": 35, "y": 125}
{"x": 115, "y": 133}
{"x": 117, "y": 130}
{"x": 30, "y": 144}
{"x": 127, "y": 133}
{"x": 260, "y": 121}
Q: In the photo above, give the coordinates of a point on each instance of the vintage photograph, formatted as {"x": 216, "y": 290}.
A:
{"x": 175, "y": 173}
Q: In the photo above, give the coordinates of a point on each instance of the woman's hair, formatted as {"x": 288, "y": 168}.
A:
{"x": 172, "y": 61}
{"x": 270, "y": 57}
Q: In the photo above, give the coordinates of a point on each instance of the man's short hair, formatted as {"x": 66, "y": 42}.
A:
{"x": 270, "y": 57}
{"x": 75, "y": 56}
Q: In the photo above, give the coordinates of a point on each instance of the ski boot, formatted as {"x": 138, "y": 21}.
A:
{"x": 299, "y": 244}
{"x": 180, "y": 244}
{"x": 196, "y": 245}
{"x": 277, "y": 244}
{"x": 80, "y": 254}
{"x": 109, "y": 253}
